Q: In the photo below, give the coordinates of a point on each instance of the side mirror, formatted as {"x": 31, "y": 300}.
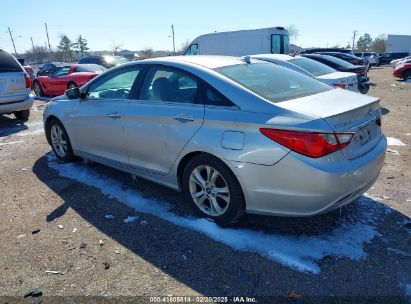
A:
{"x": 73, "y": 93}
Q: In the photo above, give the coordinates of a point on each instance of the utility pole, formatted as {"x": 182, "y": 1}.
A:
{"x": 12, "y": 40}
{"x": 353, "y": 39}
{"x": 32, "y": 44}
{"x": 174, "y": 45}
{"x": 47, "y": 33}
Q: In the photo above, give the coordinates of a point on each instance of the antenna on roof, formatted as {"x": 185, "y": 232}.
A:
{"x": 246, "y": 59}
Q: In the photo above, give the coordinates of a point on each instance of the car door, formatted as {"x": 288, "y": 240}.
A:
{"x": 56, "y": 81}
{"x": 98, "y": 121}
{"x": 162, "y": 119}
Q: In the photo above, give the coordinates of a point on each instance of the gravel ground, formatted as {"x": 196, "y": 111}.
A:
{"x": 56, "y": 234}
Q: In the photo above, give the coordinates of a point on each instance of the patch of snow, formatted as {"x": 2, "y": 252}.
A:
{"x": 130, "y": 219}
{"x": 300, "y": 252}
{"x": 399, "y": 251}
{"x": 109, "y": 216}
{"x": 392, "y": 141}
{"x": 393, "y": 152}
{"x": 11, "y": 142}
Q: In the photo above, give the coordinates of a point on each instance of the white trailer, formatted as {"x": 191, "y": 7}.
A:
{"x": 399, "y": 44}
{"x": 272, "y": 40}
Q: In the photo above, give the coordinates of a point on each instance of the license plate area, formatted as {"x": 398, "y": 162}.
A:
{"x": 363, "y": 135}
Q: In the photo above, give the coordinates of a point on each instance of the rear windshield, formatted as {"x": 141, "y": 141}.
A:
{"x": 273, "y": 82}
{"x": 89, "y": 68}
{"x": 338, "y": 61}
{"x": 8, "y": 63}
{"x": 314, "y": 67}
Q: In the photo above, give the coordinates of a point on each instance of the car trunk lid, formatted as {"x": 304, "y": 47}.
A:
{"x": 12, "y": 83}
{"x": 344, "y": 78}
{"x": 345, "y": 112}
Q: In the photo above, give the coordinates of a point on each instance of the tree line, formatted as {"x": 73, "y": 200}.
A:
{"x": 366, "y": 43}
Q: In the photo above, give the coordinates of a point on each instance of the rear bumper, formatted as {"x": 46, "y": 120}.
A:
{"x": 10, "y": 107}
{"x": 302, "y": 186}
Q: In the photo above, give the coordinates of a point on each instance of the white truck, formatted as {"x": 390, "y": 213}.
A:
{"x": 271, "y": 40}
{"x": 399, "y": 44}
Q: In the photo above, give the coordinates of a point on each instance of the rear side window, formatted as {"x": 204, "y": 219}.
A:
{"x": 314, "y": 67}
{"x": 192, "y": 50}
{"x": 215, "y": 98}
{"x": 170, "y": 85}
{"x": 8, "y": 63}
{"x": 273, "y": 82}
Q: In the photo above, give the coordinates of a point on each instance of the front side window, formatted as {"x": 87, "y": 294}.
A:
{"x": 170, "y": 85}
{"x": 192, "y": 50}
{"x": 273, "y": 82}
{"x": 116, "y": 86}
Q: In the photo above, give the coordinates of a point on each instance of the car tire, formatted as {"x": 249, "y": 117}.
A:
{"x": 59, "y": 140}
{"x": 202, "y": 176}
{"x": 406, "y": 75}
{"x": 72, "y": 85}
{"x": 22, "y": 115}
{"x": 38, "y": 90}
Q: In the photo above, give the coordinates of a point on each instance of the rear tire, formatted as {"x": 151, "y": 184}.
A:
{"x": 38, "y": 89}
{"x": 59, "y": 140}
{"x": 22, "y": 115}
{"x": 406, "y": 75}
{"x": 213, "y": 190}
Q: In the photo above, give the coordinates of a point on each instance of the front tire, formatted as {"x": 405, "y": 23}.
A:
{"x": 213, "y": 190}
{"x": 59, "y": 140}
{"x": 406, "y": 75}
{"x": 22, "y": 115}
{"x": 37, "y": 89}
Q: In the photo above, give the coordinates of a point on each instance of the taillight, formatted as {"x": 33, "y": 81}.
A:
{"x": 27, "y": 80}
{"x": 307, "y": 143}
{"x": 340, "y": 85}
{"x": 353, "y": 61}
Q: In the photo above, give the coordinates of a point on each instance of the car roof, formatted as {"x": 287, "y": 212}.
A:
{"x": 207, "y": 61}
{"x": 273, "y": 56}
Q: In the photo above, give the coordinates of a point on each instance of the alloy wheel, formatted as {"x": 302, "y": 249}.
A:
{"x": 58, "y": 140}
{"x": 209, "y": 190}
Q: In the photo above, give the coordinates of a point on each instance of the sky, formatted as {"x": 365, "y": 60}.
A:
{"x": 136, "y": 25}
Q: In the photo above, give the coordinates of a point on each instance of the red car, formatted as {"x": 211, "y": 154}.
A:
{"x": 66, "y": 77}
{"x": 403, "y": 70}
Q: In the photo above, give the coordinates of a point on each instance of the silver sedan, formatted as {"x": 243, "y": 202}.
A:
{"x": 234, "y": 134}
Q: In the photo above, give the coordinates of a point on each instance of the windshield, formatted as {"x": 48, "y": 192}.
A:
{"x": 314, "y": 67}
{"x": 273, "y": 82}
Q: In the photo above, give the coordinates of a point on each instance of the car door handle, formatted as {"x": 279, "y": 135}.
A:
{"x": 184, "y": 117}
{"x": 114, "y": 115}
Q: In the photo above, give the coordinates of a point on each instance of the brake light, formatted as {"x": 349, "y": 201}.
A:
{"x": 27, "y": 80}
{"x": 310, "y": 144}
{"x": 340, "y": 85}
{"x": 353, "y": 61}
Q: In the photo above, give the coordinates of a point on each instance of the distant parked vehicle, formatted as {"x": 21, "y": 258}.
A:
{"x": 50, "y": 67}
{"x": 344, "y": 66}
{"x": 321, "y": 50}
{"x": 348, "y": 57}
{"x": 15, "y": 88}
{"x": 107, "y": 61}
{"x": 315, "y": 69}
{"x": 403, "y": 70}
{"x": 372, "y": 58}
{"x": 29, "y": 70}
{"x": 67, "y": 77}
{"x": 272, "y": 40}
{"x": 234, "y": 135}
{"x": 386, "y": 58}
{"x": 398, "y": 61}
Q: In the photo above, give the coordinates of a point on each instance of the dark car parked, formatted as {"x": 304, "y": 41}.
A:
{"x": 321, "y": 50}
{"x": 107, "y": 61}
{"x": 50, "y": 67}
{"x": 347, "y": 57}
{"x": 386, "y": 58}
{"x": 344, "y": 66}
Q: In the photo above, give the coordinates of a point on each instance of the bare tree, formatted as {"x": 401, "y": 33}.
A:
{"x": 37, "y": 54}
{"x": 183, "y": 47}
{"x": 146, "y": 53}
{"x": 379, "y": 44}
{"x": 115, "y": 47}
{"x": 293, "y": 33}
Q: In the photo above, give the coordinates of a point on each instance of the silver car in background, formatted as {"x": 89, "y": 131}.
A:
{"x": 321, "y": 71}
{"x": 235, "y": 135}
{"x": 15, "y": 87}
